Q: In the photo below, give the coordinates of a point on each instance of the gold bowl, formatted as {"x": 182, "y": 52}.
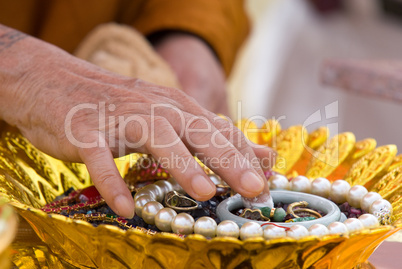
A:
{"x": 29, "y": 179}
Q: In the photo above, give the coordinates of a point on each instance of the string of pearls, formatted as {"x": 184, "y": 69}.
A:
{"x": 339, "y": 192}
{"x": 148, "y": 205}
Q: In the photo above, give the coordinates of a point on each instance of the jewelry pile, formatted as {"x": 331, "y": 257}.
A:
{"x": 164, "y": 207}
{"x": 362, "y": 209}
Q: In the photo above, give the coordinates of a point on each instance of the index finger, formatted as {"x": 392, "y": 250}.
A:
{"x": 107, "y": 179}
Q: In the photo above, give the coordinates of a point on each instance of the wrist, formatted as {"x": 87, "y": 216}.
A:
{"x": 197, "y": 68}
{"x": 10, "y": 71}
{"x": 19, "y": 58}
{"x": 161, "y": 38}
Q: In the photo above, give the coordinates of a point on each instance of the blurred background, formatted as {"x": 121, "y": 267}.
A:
{"x": 277, "y": 73}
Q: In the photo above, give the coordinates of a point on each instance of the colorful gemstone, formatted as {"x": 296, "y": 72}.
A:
{"x": 90, "y": 193}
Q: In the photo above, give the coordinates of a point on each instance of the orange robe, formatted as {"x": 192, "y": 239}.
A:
{"x": 64, "y": 23}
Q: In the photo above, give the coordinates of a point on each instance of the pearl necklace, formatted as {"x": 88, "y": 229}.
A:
{"x": 148, "y": 206}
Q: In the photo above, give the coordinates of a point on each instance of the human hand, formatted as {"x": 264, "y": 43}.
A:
{"x": 78, "y": 112}
{"x": 197, "y": 69}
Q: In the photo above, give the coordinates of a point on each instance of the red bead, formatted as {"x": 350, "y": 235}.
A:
{"x": 90, "y": 193}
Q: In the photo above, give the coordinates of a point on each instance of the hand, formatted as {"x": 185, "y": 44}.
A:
{"x": 197, "y": 69}
{"x": 78, "y": 112}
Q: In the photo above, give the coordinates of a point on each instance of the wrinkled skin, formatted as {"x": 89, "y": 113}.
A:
{"x": 75, "y": 111}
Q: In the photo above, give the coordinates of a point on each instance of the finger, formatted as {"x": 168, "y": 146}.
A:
{"x": 256, "y": 154}
{"x": 173, "y": 155}
{"x": 107, "y": 179}
{"x": 265, "y": 155}
{"x": 241, "y": 175}
{"x": 222, "y": 157}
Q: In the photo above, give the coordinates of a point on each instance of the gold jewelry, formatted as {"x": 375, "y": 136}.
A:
{"x": 290, "y": 207}
{"x": 180, "y": 202}
{"x": 271, "y": 214}
{"x": 253, "y": 214}
{"x": 308, "y": 211}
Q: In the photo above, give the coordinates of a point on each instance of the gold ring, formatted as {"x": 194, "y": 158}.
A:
{"x": 308, "y": 211}
{"x": 180, "y": 202}
{"x": 271, "y": 214}
{"x": 253, "y": 214}
{"x": 290, "y": 207}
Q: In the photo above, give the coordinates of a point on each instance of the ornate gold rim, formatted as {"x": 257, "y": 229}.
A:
{"x": 81, "y": 244}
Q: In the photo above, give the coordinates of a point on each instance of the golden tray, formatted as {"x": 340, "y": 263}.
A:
{"x": 29, "y": 179}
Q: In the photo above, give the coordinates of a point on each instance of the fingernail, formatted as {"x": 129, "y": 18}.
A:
{"x": 202, "y": 186}
{"x": 251, "y": 182}
{"x": 124, "y": 206}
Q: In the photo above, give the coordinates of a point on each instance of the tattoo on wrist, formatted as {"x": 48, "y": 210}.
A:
{"x": 10, "y": 38}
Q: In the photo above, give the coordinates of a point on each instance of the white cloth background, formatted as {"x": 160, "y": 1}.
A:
{"x": 277, "y": 72}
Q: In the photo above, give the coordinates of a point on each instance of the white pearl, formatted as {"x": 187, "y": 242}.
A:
{"x": 140, "y": 202}
{"x": 318, "y": 229}
{"x": 272, "y": 231}
{"x": 376, "y": 206}
{"x": 165, "y": 185}
{"x": 369, "y": 221}
{"x": 297, "y": 231}
{"x": 149, "y": 211}
{"x": 355, "y": 195}
{"x": 143, "y": 192}
{"x": 368, "y": 199}
{"x": 183, "y": 223}
{"x": 228, "y": 228}
{"x": 156, "y": 190}
{"x": 321, "y": 186}
{"x": 339, "y": 190}
{"x": 300, "y": 184}
{"x": 205, "y": 226}
{"x": 164, "y": 218}
{"x": 250, "y": 229}
{"x": 353, "y": 224}
{"x": 278, "y": 182}
{"x": 176, "y": 186}
{"x": 337, "y": 228}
